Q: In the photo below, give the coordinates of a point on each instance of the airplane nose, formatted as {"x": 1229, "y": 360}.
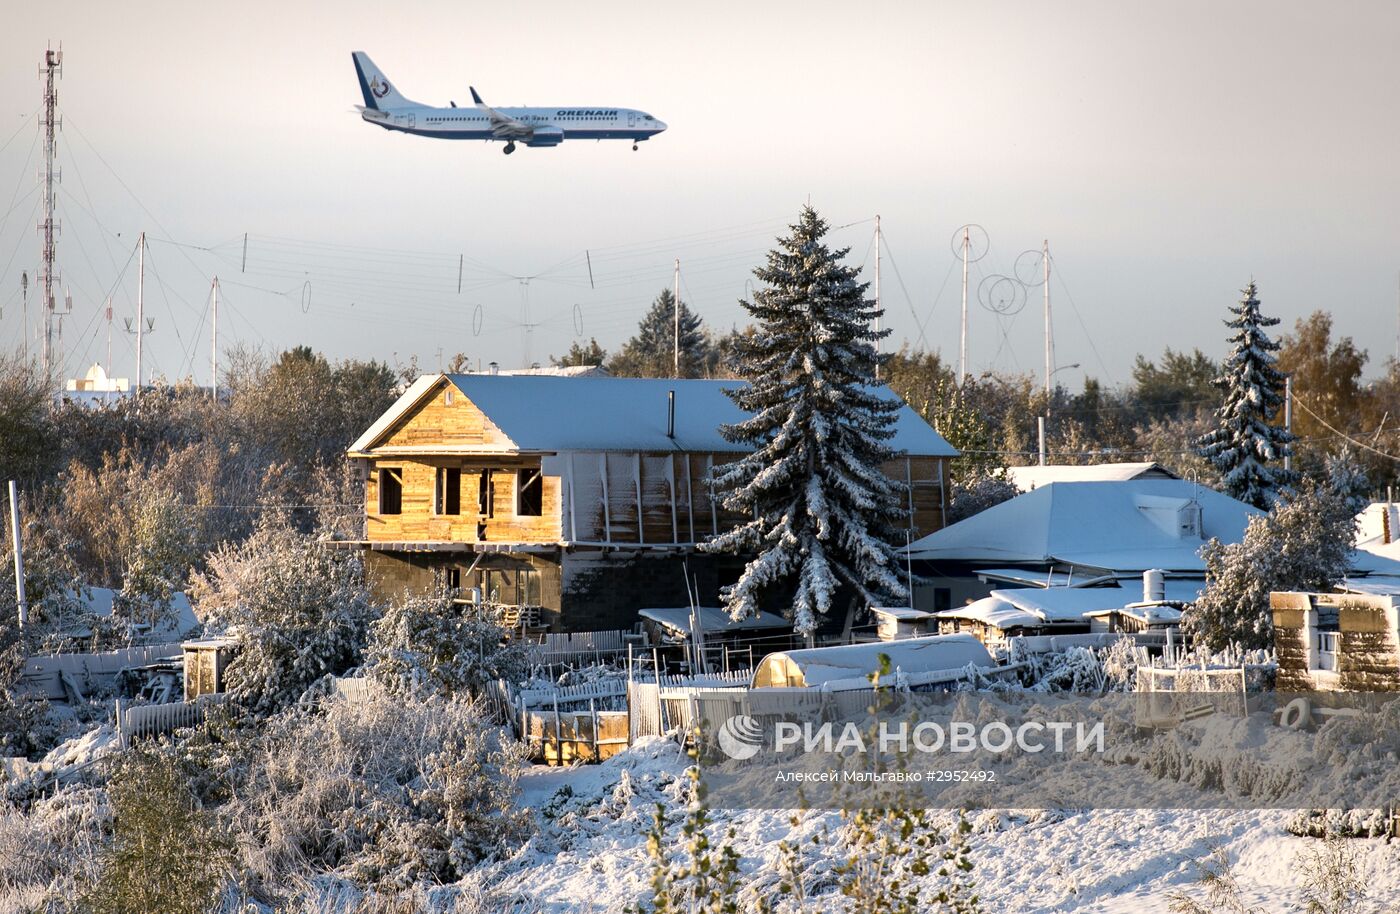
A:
{"x": 660, "y": 125}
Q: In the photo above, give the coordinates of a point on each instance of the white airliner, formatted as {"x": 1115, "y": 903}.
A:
{"x": 386, "y": 108}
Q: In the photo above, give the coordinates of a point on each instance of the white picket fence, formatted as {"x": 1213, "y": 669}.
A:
{"x": 145, "y": 721}
{"x": 570, "y": 695}
{"x": 658, "y": 707}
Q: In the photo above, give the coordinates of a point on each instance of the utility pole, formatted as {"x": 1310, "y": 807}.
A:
{"x": 214, "y": 341}
{"x": 676, "y": 312}
{"x": 878, "y": 312}
{"x": 1049, "y": 338}
{"x": 16, "y": 540}
{"x": 140, "y": 307}
{"x": 53, "y": 66}
{"x": 1288, "y": 420}
{"x": 962, "y": 337}
{"x": 108, "y": 397}
{"x": 24, "y": 300}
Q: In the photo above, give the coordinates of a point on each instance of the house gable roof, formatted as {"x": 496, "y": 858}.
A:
{"x": 1105, "y": 525}
{"x": 544, "y": 413}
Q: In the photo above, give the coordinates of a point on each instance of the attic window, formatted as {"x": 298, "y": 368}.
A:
{"x": 529, "y": 493}
{"x": 391, "y": 490}
{"x": 447, "y": 397}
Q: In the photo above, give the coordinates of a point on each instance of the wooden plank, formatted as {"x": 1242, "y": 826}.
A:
{"x": 690, "y": 498}
{"x": 671, "y": 484}
{"x": 573, "y": 514}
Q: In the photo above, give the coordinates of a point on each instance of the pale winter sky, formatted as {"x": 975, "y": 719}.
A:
{"x": 1168, "y": 151}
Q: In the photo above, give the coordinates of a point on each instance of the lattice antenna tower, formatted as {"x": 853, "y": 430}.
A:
{"x": 51, "y": 70}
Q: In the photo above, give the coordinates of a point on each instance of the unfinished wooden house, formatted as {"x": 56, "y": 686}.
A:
{"x": 577, "y": 501}
{"x": 1337, "y": 641}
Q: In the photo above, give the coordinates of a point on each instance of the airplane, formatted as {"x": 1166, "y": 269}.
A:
{"x": 385, "y": 107}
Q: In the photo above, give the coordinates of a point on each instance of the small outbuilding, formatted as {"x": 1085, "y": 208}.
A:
{"x": 896, "y": 623}
{"x": 849, "y": 666}
{"x": 1337, "y": 641}
{"x": 205, "y": 662}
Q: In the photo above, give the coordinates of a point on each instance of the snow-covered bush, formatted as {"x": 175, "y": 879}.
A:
{"x": 381, "y": 791}
{"x": 1305, "y": 544}
{"x": 299, "y": 608}
{"x": 978, "y": 492}
{"x": 160, "y": 547}
{"x": 50, "y": 851}
{"x": 430, "y": 645}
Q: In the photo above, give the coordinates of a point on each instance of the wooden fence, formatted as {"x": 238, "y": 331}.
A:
{"x": 562, "y": 738}
{"x": 43, "y": 676}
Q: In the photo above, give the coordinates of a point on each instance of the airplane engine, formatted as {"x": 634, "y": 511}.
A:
{"x": 546, "y": 136}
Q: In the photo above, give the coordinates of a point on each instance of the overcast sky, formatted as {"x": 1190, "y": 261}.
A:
{"x": 1168, "y": 151}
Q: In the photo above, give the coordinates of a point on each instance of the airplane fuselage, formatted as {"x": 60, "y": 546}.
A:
{"x": 551, "y": 125}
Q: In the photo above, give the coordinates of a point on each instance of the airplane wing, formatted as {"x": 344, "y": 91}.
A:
{"x": 504, "y": 126}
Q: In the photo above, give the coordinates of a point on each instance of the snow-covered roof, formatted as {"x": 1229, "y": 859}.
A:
{"x": 713, "y": 619}
{"x": 1033, "y": 477}
{"x": 99, "y": 602}
{"x": 1039, "y": 577}
{"x": 1378, "y": 530}
{"x": 995, "y": 612}
{"x": 1148, "y": 613}
{"x": 855, "y": 662}
{"x": 546, "y": 413}
{"x": 1126, "y": 526}
{"x": 1036, "y": 606}
{"x": 1378, "y": 585}
{"x": 902, "y": 613}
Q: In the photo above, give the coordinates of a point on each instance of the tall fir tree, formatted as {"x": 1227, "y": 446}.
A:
{"x": 651, "y": 352}
{"x": 1244, "y": 447}
{"x": 822, "y": 511}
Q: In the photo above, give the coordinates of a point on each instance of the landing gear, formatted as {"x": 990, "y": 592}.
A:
{"x": 510, "y": 147}
{"x": 634, "y": 147}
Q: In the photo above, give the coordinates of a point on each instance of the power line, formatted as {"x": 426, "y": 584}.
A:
{"x": 1340, "y": 434}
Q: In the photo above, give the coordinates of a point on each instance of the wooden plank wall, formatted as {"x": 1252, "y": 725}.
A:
{"x": 418, "y": 523}
{"x": 438, "y": 422}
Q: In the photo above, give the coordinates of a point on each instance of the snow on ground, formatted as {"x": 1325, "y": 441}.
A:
{"x": 590, "y": 854}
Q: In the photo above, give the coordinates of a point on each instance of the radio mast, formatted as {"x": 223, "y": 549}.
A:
{"x": 53, "y": 66}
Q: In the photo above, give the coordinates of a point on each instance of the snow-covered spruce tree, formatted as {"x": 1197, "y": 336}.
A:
{"x": 821, "y": 508}
{"x": 299, "y": 609}
{"x": 1243, "y": 444}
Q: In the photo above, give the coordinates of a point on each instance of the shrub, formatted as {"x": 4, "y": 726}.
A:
{"x": 166, "y": 853}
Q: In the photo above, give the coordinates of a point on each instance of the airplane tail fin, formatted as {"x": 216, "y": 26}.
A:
{"x": 379, "y": 93}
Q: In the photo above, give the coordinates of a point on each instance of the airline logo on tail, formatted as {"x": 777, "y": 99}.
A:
{"x": 379, "y": 86}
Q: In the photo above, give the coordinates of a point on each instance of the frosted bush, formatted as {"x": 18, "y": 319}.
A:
{"x": 429, "y": 645}
{"x": 378, "y": 791}
{"x": 51, "y": 850}
{"x": 299, "y": 610}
